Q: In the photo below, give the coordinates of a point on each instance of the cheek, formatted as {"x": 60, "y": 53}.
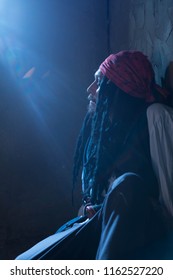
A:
{"x": 94, "y": 88}
{"x": 97, "y": 91}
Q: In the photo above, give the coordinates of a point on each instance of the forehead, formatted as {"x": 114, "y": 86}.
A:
{"x": 98, "y": 74}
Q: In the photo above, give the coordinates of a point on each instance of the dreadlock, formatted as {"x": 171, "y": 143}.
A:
{"x": 99, "y": 126}
{"x": 92, "y": 136}
{"x": 80, "y": 146}
{"x": 99, "y": 142}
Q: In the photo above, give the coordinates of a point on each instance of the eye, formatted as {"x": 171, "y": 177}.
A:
{"x": 98, "y": 82}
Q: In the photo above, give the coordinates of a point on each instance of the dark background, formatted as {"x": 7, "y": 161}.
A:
{"x": 62, "y": 42}
{"x": 49, "y": 51}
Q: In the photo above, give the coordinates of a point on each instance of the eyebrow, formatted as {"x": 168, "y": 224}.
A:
{"x": 96, "y": 75}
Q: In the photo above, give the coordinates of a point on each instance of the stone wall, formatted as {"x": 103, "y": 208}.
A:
{"x": 151, "y": 30}
{"x": 145, "y": 25}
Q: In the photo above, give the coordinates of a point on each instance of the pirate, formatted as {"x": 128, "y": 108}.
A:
{"x": 121, "y": 209}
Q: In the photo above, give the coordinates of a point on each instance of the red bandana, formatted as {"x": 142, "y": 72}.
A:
{"x": 132, "y": 72}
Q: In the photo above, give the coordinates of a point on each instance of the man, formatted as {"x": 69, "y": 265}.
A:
{"x": 120, "y": 191}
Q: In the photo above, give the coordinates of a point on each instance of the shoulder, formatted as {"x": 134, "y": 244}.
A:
{"x": 158, "y": 112}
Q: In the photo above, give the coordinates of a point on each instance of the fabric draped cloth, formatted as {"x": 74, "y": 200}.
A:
{"x": 132, "y": 72}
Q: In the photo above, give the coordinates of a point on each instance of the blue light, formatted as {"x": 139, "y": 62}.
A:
{"x": 27, "y": 54}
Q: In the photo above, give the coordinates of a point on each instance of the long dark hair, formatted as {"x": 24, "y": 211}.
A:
{"x": 100, "y": 140}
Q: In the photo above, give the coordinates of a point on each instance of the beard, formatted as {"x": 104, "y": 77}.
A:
{"x": 91, "y": 107}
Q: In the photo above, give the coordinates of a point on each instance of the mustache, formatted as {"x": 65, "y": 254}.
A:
{"x": 92, "y": 98}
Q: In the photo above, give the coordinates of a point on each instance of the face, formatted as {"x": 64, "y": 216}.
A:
{"x": 93, "y": 90}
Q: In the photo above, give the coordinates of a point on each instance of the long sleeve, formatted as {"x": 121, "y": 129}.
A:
{"x": 160, "y": 124}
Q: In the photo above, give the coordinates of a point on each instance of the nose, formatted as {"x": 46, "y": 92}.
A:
{"x": 92, "y": 88}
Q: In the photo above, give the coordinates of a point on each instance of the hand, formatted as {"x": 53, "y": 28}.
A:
{"x": 87, "y": 210}
{"x": 90, "y": 211}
